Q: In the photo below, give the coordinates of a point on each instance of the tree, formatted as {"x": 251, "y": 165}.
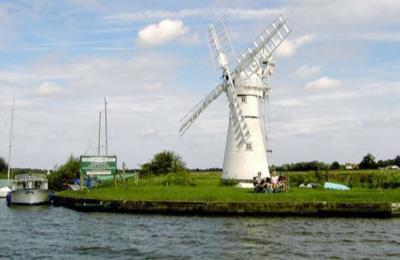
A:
{"x": 3, "y": 164}
{"x": 335, "y": 166}
{"x": 163, "y": 163}
{"x": 381, "y": 164}
{"x": 397, "y": 160}
{"x": 65, "y": 173}
{"x": 368, "y": 162}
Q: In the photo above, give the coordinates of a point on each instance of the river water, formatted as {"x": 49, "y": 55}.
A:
{"x": 60, "y": 233}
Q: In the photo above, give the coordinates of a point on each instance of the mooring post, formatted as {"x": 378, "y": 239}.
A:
{"x": 123, "y": 170}
{"x": 81, "y": 180}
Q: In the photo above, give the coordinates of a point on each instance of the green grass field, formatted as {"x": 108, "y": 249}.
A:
{"x": 207, "y": 187}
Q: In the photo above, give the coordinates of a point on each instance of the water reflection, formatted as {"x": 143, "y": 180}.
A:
{"x": 56, "y": 232}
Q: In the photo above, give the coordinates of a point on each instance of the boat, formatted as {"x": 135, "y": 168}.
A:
{"x": 29, "y": 189}
{"x": 4, "y": 189}
{"x": 335, "y": 186}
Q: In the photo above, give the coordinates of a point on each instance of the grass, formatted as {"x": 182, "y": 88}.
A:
{"x": 371, "y": 179}
{"x": 207, "y": 187}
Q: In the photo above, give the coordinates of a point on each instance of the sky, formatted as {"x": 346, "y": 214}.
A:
{"x": 335, "y": 89}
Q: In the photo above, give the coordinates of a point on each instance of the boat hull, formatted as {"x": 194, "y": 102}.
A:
{"x": 29, "y": 197}
{"x": 4, "y": 191}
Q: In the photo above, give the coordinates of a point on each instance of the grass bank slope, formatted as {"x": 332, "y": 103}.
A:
{"x": 203, "y": 187}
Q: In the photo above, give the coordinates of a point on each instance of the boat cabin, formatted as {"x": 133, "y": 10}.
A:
{"x": 29, "y": 182}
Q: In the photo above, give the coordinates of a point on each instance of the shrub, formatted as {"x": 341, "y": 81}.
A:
{"x": 179, "y": 178}
{"x": 383, "y": 179}
{"x": 163, "y": 163}
{"x": 3, "y": 164}
{"x": 64, "y": 174}
{"x": 368, "y": 162}
{"x": 229, "y": 182}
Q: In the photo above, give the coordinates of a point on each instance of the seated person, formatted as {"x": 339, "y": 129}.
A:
{"x": 282, "y": 183}
{"x": 274, "y": 180}
{"x": 258, "y": 183}
{"x": 268, "y": 185}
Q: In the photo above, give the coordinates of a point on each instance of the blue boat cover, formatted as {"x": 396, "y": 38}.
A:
{"x": 335, "y": 186}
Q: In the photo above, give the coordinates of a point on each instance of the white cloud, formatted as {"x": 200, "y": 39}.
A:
{"x": 323, "y": 83}
{"x": 7, "y": 31}
{"x": 191, "y": 39}
{"x": 237, "y": 13}
{"x": 289, "y": 47}
{"x": 150, "y": 132}
{"x": 152, "y": 86}
{"x": 290, "y": 102}
{"x": 141, "y": 104}
{"x": 306, "y": 71}
{"x": 48, "y": 89}
{"x": 314, "y": 124}
{"x": 360, "y": 90}
{"x": 347, "y": 14}
{"x": 165, "y": 31}
{"x": 388, "y": 36}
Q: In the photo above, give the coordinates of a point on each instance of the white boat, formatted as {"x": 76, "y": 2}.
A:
{"x": 29, "y": 189}
{"x": 4, "y": 189}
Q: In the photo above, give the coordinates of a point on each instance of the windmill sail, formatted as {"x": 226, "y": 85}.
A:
{"x": 190, "y": 117}
{"x": 219, "y": 43}
{"x": 265, "y": 44}
{"x": 222, "y": 51}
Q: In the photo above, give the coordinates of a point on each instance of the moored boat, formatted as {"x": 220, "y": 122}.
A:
{"x": 4, "y": 189}
{"x": 29, "y": 189}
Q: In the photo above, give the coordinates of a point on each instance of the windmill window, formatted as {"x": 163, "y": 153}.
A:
{"x": 244, "y": 99}
{"x": 248, "y": 147}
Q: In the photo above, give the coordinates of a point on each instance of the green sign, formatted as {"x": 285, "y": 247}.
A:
{"x": 99, "y": 165}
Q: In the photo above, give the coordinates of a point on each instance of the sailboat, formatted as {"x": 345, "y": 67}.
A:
{"x": 6, "y": 189}
{"x": 27, "y": 189}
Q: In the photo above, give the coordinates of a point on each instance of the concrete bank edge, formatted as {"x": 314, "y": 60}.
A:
{"x": 316, "y": 209}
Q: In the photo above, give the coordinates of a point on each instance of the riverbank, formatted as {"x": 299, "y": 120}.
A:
{"x": 311, "y": 209}
{"x": 203, "y": 194}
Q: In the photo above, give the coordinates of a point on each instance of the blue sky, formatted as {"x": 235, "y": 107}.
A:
{"x": 335, "y": 87}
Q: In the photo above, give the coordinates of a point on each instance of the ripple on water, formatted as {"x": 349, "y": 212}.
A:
{"x": 56, "y": 232}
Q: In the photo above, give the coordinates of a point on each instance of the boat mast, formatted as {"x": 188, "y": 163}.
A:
{"x": 9, "y": 148}
{"x": 105, "y": 123}
{"x": 98, "y": 140}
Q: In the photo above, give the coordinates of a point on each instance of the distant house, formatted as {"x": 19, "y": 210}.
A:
{"x": 350, "y": 166}
{"x": 392, "y": 167}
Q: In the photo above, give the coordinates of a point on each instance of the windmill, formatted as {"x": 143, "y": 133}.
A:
{"x": 245, "y": 81}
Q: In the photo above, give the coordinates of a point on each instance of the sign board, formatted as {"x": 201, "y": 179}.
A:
{"x": 98, "y": 165}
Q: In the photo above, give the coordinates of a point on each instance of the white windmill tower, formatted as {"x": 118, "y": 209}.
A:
{"x": 246, "y": 85}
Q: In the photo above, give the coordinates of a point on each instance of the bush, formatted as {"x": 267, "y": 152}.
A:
{"x": 179, "y": 178}
{"x": 302, "y": 166}
{"x": 163, "y": 163}
{"x": 229, "y": 182}
{"x": 3, "y": 164}
{"x": 64, "y": 174}
{"x": 335, "y": 166}
{"x": 383, "y": 179}
{"x": 368, "y": 162}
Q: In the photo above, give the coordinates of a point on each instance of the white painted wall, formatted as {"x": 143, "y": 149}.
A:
{"x": 244, "y": 164}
